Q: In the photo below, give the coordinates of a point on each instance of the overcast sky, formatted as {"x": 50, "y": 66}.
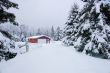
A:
{"x": 43, "y": 13}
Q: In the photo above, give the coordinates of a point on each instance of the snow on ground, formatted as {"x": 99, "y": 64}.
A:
{"x": 54, "y": 58}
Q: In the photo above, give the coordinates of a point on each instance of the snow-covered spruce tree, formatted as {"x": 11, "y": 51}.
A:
{"x": 46, "y": 33}
{"x": 93, "y": 32}
{"x": 58, "y": 34}
{"x": 70, "y": 28}
{"x": 52, "y": 33}
{"x": 38, "y": 32}
{"x": 5, "y": 36}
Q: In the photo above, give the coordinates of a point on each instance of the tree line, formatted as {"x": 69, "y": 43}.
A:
{"x": 88, "y": 29}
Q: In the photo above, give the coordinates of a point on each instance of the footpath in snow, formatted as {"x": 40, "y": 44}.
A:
{"x": 54, "y": 58}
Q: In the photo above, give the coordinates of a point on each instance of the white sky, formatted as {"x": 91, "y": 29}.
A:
{"x": 43, "y": 13}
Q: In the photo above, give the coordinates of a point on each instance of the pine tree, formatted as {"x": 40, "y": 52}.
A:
{"x": 6, "y": 16}
{"x": 46, "y": 33}
{"x": 52, "y": 33}
{"x": 39, "y": 32}
{"x": 70, "y": 28}
{"x": 93, "y": 31}
{"x": 59, "y": 34}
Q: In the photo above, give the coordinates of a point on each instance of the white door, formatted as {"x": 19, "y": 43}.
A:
{"x": 41, "y": 41}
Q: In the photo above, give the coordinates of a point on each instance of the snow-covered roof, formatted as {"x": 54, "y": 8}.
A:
{"x": 38, "y": 36}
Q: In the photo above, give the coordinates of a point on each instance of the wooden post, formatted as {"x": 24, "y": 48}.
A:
{"x": 27, "y": 46}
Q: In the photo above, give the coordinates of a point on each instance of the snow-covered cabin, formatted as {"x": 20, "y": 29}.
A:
{"x": 39, "y": 39}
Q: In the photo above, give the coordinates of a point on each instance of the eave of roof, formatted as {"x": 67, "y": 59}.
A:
{"x": 38, "y": 36}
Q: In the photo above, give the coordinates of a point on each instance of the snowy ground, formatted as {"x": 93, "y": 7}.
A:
{"x": 54, "y": 58}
